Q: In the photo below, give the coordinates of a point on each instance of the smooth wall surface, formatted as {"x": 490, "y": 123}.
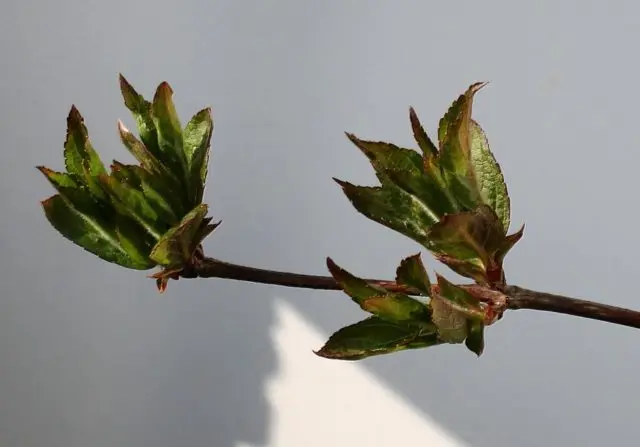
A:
{"x": 90, "y": 355}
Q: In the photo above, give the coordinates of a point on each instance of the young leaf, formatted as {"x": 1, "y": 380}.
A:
{"x": 411, "y": 272}
{"x": 424, "y": 142}
{"x": 169, "y": 130}
{"x": 391, "y": 207}
{"x": 91, "y": 233}
{"x": 131, "y": 202}
{"x": 134, "y": 239}
{"x": 374, "y": 336}
{"x": 81, "y": 160}
{"x": 468, "y": 243}
{"x": 489, "y": 176}
{"x": 451, "y": 323}
{"x": 459, "y": 299}
{"x": 177, "y": 245}
{"x": 394, "y": 307}
{"x": 141, "y": 111}
{"x": 156, "y": 192}
{"x": 197, "y": 143}
{"x": 475, "y": 339}
{"x": 148, "y": 161}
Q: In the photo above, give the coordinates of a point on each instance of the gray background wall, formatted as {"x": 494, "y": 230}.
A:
{"x": 92, "y": 356}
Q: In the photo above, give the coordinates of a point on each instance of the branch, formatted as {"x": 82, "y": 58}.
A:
{"x": 517, "y": 297}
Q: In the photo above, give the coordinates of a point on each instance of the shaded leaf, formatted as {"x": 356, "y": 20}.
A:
{"x": 411, "y": 272}
{"x": 488, "y": 175}
{"x": 197, "y": 144}
{"x": 395, "y": 307}
{"x": 468, "y": 242}
{"x": 459, "y": 299}
{"x": 374, "y": 336}
{"x": 132, "y": 202}
{"x": 177, "y": 245}
{"x": 134, "y": 239}
{"x": 452, "y": 309}
{"x": 155, "y": 191}
{"x": 451, "y": 323}
{"x": 475, "y": 339}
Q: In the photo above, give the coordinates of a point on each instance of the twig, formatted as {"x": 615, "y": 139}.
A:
{"x": 517, "y": 297}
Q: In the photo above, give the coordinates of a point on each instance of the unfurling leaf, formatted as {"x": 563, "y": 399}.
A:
{"x": 454, "y": 312}
{"x": 411, "y": 272}
{"x": 177, "y": 245}
{"x": 469, "y": 243}
{"x": 394, "y": 307}
{"x": 375, "y": 336}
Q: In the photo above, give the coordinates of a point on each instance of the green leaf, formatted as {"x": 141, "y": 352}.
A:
{"x": 134, "y": 239}
{"x": 387, "y": 156}
{"x": 475, "y": 339}
{"x": 132, "y": 202}
{"x": 424, "y": 142}
{"x": 169, "y": 131}
{"x": 81, "y": 160}
{"x": 426, "y": 190}
{"x": 488, "y": 174}
{"x": 468, "y": 243}
{"x": 145, "y": 157}
{"x": 77, "y": 194}
{"x": 459, "y": 299}
{"x": 177, "y": 245}
{"x": 395, "y": 307}
{"x": 391, "y": 207}
{"x": 156, "y": 193}
{"x": 411, "y": 272}
{"x": 90, "y": 232}
{"x": 374, "y": 336}
{"x": 141, "y": 111}
{"x": 454, "y": 134}
{"x": 197, "y": 143}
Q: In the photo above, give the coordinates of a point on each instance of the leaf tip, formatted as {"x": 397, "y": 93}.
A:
{"x": 163, "y": 92}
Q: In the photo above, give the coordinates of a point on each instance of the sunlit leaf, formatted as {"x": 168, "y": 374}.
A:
{"x": 197, "y": 144}
{"x": 488, "y": 175}
{"x": 169, "y": 131}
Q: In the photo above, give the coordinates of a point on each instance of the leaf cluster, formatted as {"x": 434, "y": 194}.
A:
{"x": 137, "y": 215}
{"x": 452, "y": 199}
